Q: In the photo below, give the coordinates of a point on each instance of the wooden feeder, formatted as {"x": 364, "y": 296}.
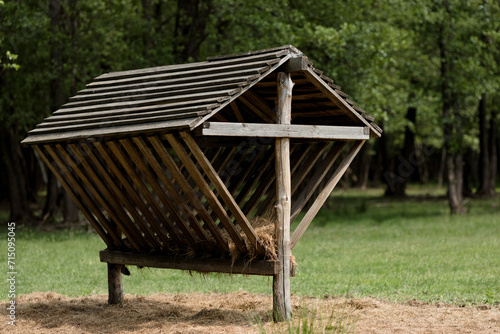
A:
{"x": 173, "y": 165}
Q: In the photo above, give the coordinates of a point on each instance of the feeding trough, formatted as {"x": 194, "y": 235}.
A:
{"x": 184, "y": 166}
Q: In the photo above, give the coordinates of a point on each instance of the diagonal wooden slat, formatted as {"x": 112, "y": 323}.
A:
{"x": 111, "y": 199}
{"x": 207, "y": 192}
{"x": 325, "y": 193}
{"x": 168, "y": 225}
{"x": 316, "y": 178}
{"x": 188, "y": 191}
{"x": 130, "y": 204}
{"x": 131, "y": 233}
{"x": 223, "y": 192}
{"x": 146, "y": 192}
{"x": 179, "y": 201}
{"x": 108, "y": 239}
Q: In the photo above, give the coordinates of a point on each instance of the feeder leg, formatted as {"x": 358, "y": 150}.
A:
{"x": 282, "y": 309}
{"x": 115, "y": 287}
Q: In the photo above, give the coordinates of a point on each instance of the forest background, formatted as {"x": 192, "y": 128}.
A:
{"x": 427, "y": 70}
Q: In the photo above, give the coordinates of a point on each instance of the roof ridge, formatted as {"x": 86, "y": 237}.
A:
{"x": 290, "y": 48}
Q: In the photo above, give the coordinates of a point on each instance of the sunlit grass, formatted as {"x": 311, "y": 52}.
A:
{"x": 361, "y": 244}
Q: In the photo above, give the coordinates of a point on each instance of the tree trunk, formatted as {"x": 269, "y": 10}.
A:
{"x": 493, "y": 152}
{"x": 484, "y": 152}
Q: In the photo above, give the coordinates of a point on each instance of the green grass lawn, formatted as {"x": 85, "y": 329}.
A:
{"x": 360, "y": 244}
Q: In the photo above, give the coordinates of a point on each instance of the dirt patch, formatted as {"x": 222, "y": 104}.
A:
{"x": 49, "y": 312}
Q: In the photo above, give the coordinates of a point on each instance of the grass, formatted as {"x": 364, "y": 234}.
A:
{"x": 359, "y": 245}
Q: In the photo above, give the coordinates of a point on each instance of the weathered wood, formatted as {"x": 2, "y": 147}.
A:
{"x": 205, "y": 165}
{"x": 282, "y": 309}
{"x": 260, "y": 103}
{"x": 207, "y": 192}
{"x": 296, "y": 64}
{"x": 86, "y": 200}
{"x": 208, "y": 265}
{"x": 115, "y": 171}
{"x": 115, "y": 287}
{"x": 129, "y": 198}
{"x": 169, "y": 187}
{"x": 188, "y": 191}
{"x": 316, "y": 178}
{"x": 117, "y": 212}
{"x": 280, "y": 51}
{"x": 285, "y": 131}
{"x": 95, "y": 224}
{"x": 214, "y": 69}
{"x": 237, "y": 112}
{"x": 256, "y": 110}
{"x": 338, "y": 100}
{"x": 325, "y": 193}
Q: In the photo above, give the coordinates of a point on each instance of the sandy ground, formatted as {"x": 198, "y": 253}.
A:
{"x": 49, "y": 312}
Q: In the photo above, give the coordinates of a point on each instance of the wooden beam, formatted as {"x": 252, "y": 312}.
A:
{"x": 282, "y": 309}
{"x": 115, "y": 287}
{"x": 337, "y": 99}
{"x": 296, "y": 64}
{"x": 316, "y": 178}
{"x": 325, "y": 193}
{"x": 285, "y": 131}
{"x": 224, "y": 193}
{"x": 209, "y": 265}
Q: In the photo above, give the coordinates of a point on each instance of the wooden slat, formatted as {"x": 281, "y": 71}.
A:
{"x": 316, "y": 178}
{"x": 116, "y": 206}
{"x": 209, "y": 265}
{"x": 325, "y": 193}
{"x": 146, "y": 192}
{"x": 215, "y": 69}
{"x": 170, "y": 188}
{"x": 188, "y": 191}
{"x": 121, "y": 219}
{"x": 280, "y": 51}
{"x": 337, "y": 99}
{"x": 123, "y": 196}
{"x": 83, "y": 208}
{"x": 207, "y": 192}
{"x": 237, "y": 112}
{"x": 260, "y": 103}
{"x": 242, "y": 220}
{"x": 285, "y": 131}
{"x": 218, "y": 96}
{"x": 309, "y": 163}
{"x": 256, "y": 110}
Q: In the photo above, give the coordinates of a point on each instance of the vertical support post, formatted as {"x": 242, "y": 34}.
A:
{"x": 115, "y": 287}
{"x": 282, "y": 309}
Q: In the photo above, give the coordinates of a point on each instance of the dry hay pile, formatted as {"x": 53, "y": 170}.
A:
{"x": 241, "y": 312}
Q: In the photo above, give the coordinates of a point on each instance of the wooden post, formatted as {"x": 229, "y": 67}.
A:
{"x": 282, "y": 309}
{"x": 115, "y": 288}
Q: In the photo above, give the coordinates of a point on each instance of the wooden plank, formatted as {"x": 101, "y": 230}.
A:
{"x": 207, "y": 265}
{"x": 190, "y": 66}
{"x": 260, "y": 103}
{"x": 146, "y": 192}
{"x": 129, "y": 198}
{"x": 315, "y": 180}
{"x": 214, "y": 69}
{"x": 170, "y": 188}
{"x": 207, "y": 168}
{"x": 207, "y": 192}
{"x": 325, "y": 193}
{"x": 218, "y": 96}
{"x": 285, "y": 131}
{"x": 237, "y": 112}
{"x": 125, "y": 224}
{"x": 309, "y": 163}
{"x": 277, "y": 52}
{"x": 256, "y": 110}
{"x": 248, "y": 75}
{"x": 338, "y": 100}
{"x": 83, "y": 208}
{"x": 115, "y": 287}
{"x": 188, "y": 191}
{"x": 115, "y": 131}
{"x": 116, "y": 206}
{"x": 282, "y": 309}
{"x": 109, "y": 121}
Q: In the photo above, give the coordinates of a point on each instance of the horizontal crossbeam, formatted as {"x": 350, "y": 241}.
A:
{"x": 285, "y": 131}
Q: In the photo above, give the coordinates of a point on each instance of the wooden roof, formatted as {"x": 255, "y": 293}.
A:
{"x": 175, "y": 97}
